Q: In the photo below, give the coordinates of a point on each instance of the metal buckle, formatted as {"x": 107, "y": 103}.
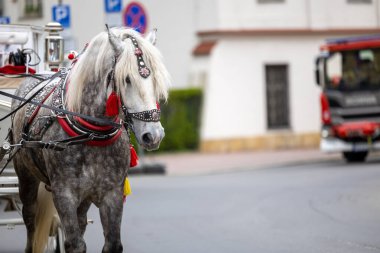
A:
{"x": 63, "y": 71}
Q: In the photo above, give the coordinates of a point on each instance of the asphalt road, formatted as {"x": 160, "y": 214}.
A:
{"x": 325, "y": 207}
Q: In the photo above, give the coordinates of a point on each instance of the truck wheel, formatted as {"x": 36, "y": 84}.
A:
{"x": 355, "y": 156}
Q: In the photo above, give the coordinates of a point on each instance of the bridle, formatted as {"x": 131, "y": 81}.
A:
{"x": 148, "y": 115}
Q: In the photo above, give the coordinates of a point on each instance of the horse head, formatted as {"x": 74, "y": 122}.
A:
{"x": 129, "y": 65}
{"x": 142, "y": 81}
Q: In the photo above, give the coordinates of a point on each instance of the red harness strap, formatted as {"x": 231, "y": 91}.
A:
{"x": 72, "y": 133}
{"x": 94, "y": 127}
{"x": 66, "y": 127}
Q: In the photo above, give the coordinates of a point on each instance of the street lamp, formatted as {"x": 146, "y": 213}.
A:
{"x": 53, "y": 45}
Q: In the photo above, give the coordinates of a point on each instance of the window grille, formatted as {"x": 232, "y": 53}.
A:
{"x": 277, "y": 96}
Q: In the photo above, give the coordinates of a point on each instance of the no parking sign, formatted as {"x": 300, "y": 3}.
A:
{"x": 135, "y": 16}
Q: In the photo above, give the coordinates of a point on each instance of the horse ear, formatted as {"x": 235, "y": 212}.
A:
{"x": 152, "y": 36}
{"x": 115, "y": 42}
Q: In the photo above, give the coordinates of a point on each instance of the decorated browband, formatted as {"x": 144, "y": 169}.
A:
{"x": 143, "y": 69}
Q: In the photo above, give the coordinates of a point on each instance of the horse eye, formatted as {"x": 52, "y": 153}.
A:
{"x": 127, "y": 80}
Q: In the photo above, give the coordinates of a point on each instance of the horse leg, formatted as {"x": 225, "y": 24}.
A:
{"x": 82, "y": 215}
{"x": 28, "y": 191}
{"x": 67, "y": 204}
{"x": 111, "y": 212}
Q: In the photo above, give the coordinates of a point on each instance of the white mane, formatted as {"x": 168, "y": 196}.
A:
{"x": 97, "y": 61}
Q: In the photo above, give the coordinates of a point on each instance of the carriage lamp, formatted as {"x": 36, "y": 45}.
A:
{"x": 53, "y": 45}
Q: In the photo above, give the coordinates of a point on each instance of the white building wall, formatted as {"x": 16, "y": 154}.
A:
{"x": 245, "y": 14}
{"x": 207, "y": 14}
{"x": 233, "y": 103}
{"x": 199, "y": 71}
{"x": 341, "y": 14}
{"x": 315, "y": 14}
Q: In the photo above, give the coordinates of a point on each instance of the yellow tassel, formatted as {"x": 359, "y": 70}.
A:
{"x": 127, "y": 187}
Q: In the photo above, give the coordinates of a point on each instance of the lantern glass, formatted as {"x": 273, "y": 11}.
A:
{"x": 54, "y": 50}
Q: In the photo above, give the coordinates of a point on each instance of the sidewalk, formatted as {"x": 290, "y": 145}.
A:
{"x": 204, "y": 163}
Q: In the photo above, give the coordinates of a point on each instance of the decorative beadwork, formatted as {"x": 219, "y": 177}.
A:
{"x": 144, "y": 71}
{"x": 57, "y": 100}
{"x": 147, "y": 116}
{"x": 138, "y": 52}
{"x": 39, "y": 98}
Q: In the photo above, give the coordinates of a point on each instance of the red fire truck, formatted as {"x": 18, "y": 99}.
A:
{"x": 348, "y": 71}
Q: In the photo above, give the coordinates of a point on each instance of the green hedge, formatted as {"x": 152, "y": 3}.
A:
{"x": 181, "y": 119}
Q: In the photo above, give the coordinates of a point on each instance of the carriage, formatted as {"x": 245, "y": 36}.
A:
{"x": 69, "y": 130}
{"x": 17, "y": 41}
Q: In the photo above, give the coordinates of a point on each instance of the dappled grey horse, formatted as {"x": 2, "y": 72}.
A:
{"x": 116, "y": 81}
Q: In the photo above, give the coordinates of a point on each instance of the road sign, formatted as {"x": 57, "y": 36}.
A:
{"x": 135, "y": 16}
{"x": 112, "y": 5}
{"x": 5, "y": 20}
{"x": 61, "y": 14}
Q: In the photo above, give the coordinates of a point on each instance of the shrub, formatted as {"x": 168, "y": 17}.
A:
{"x": 181, "y": 119}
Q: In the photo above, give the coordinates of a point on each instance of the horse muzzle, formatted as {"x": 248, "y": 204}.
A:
{"x": 151, "y": 140}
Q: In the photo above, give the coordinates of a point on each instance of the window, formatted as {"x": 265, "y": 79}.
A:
{"x": 354, "y": 70}
{"x": 277, "y": 96}
{"x": 31, "y": 8}
{"x": 270, "y": 1}
{"x": 359, "y": 1}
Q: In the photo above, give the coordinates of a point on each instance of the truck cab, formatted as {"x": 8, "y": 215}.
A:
{"x": 348, "y": 72}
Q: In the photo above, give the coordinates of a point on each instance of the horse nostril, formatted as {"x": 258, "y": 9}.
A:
{"x": 147, "y": 138}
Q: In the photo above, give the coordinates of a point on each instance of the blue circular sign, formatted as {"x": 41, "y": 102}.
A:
{"x": 135, "y": 17}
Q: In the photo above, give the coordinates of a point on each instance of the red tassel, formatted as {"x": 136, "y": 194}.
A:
{"x": 134, "y": 157}
{"x": 112, "y": 105}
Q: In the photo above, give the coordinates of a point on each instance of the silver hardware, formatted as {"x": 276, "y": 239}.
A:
{"x": 6, "y": 145}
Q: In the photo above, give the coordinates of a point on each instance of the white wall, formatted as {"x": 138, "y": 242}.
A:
{"x": 235, "y": 101}
{"x": 207, "y": 14}
{"x": 199, "y": 71}
{"x": 340, "y": 14}
{"x": 290, "y": 14}
{"x": 245, "y": 14}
